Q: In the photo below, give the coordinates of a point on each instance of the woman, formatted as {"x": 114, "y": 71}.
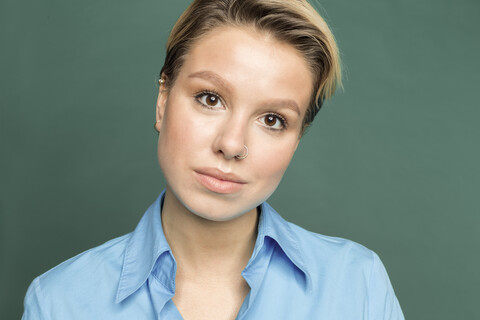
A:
{"x": 242, "y": 80}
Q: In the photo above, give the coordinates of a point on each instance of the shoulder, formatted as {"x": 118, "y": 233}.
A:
{"x": 108, "y": 256}
{"x": 73, "y": 280}
{"x": 318, "y": 254}
{"x": 343, "y": 279}
{"x": 335, "y": 260}
{"x": 315, "y": 246}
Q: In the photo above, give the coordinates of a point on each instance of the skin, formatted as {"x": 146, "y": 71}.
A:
{"x": 233, "y": 89}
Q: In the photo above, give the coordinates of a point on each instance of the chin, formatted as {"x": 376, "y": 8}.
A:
{"x": 219, "y": 207}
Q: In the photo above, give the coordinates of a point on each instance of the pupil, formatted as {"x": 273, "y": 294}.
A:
{"x": 211, "y": 100}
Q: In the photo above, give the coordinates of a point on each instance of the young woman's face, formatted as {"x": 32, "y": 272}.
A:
{"x": 236, "y": 88}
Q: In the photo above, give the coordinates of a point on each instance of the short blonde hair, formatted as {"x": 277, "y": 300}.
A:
{"x": 294, "y": 22}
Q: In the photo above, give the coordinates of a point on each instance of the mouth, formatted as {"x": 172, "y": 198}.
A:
{"x": 218, "y": 181}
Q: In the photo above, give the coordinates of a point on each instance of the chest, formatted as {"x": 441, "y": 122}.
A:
{"x": 220, "y": 299}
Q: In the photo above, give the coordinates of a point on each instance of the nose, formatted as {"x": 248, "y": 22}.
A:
{"x": 230, "y": 139}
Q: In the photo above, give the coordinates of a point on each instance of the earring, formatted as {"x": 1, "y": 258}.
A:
{"x": 161, "y": 81}
{"x": 155, "y": 125}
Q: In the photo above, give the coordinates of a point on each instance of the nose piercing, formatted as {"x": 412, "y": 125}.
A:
{"x": 243, "y": 156}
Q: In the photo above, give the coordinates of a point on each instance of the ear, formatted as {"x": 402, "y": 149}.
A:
{"x": 161, "y": 104}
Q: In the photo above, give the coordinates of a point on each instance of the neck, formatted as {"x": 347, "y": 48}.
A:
{"x": 200, "y": 245}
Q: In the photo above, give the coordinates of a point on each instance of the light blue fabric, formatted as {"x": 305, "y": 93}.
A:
{"x": 293, "y": 274}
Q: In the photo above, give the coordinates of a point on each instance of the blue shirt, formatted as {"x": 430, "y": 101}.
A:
{"x": 292, "y": 274}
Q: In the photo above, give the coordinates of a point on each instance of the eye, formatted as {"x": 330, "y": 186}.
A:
{"x": 209, "y": 100}
{"x": 274, "y": 121}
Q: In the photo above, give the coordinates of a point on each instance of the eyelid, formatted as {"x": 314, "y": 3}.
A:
{"x": 198, "y": 95}
{"x": 281, "y": 118}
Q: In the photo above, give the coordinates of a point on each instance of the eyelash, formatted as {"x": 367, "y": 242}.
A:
{"x": 279, "y": 117}
{"x": 207, "y": 92}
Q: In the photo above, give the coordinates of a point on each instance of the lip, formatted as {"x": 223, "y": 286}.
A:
{"x": 218, "y": 181}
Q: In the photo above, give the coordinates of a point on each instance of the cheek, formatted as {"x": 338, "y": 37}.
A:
{"x": 182, "y": 136}
{"x": 177, "y": 128}
{"x": 171, "y": 140}
{"x": 271, "y": 163}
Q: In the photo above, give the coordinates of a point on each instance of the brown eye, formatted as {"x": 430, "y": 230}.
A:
{"x": 274, "y": 121}
{"x": 211, "y": 100}
{"x": 270, "y": 120}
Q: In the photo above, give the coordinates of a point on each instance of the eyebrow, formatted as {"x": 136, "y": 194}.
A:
{"x": 284, "y": 103}
{"x": 212, "y": 77}
{"x": 220, "y": 82}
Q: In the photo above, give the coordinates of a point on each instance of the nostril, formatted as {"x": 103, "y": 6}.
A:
{"x": 244, "y": 154}
{"x": 233, "y": 152}
{"x": 230, "y": 138}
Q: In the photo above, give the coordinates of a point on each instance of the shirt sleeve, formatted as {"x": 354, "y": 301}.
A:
{"x": 32, "y": 305}
{"x": 382, "y": 302}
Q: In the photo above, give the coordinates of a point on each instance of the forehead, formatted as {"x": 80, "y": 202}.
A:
{"x": 253, "y": 62}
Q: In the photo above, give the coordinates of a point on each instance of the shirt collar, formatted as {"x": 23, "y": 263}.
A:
{"x": 148, "y": 243}
{"x": 272, "y": 225}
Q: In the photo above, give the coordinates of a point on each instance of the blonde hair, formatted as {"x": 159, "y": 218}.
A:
{"x": 294, "y": 22}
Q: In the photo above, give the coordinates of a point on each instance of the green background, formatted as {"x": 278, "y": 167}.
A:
{"x": 392, "y": 162}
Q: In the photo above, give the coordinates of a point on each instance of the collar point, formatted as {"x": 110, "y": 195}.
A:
{"x": 120, "y": 298}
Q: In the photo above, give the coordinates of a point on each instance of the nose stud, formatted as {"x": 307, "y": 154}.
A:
{"x": 244, "y": 155}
